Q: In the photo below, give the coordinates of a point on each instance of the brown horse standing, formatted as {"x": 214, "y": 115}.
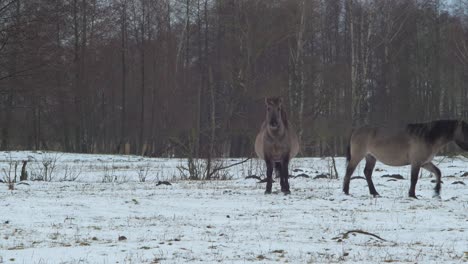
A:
{"x": 413, "y": 144}
{"x": 276, "y": 143}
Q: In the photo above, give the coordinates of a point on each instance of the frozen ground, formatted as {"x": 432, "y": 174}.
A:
{"x": 229, "y": 221}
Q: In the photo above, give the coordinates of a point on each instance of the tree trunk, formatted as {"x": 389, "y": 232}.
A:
{"x": 13, "y": 68}
{"x": 142, "y": 98}
{"x": 123, "y": 49}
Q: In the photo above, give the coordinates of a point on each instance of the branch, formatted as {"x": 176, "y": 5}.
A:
{"x": 462, "y": 53}
{"x": 345, "y": 235}
{"x": 5, "y": 42}
{"x": 7, "y": 5}
{"x": 19, "y": 72}
{"x": 229, "y": 166}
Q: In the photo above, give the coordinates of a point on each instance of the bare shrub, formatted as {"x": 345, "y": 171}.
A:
{"x": 45, "y": 168}
{"x": 9, "y": 175}
{"x": 109, "y": 174}
{"x": 207, "y": 169}
{"x": 332, "y": 171}
{"x": 254, "y": 167}
{"x": 143, "y": 172}
{"x": 70, "y": 173}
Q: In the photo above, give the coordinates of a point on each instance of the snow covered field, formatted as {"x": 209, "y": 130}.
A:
{"x": 107, "y": 215}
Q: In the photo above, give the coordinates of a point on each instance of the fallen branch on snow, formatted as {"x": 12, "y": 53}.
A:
{"x": 346, "y": 235}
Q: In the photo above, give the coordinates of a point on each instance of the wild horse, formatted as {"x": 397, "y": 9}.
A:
{"x": 413, "y": 144}
{"x": 276, "y": 143}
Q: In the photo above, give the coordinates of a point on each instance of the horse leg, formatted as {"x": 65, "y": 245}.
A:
{"x": 355, "y": 154}
{"x": 370, "y": 164}
{"x": 349, "y": 171}
{"x": 269, "y": 184}
{"x": 352, "y": 164}
{"x": 414, "y": 179}
{"x": 284, "y": 174}
{"x": 278, "y": 173}
{"x": 433, "y": 169}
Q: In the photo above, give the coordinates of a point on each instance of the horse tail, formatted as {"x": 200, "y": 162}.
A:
{"x": 348, "y": 148}
{"x": 348, "y": 153}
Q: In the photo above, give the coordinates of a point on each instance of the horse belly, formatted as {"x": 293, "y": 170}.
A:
{"x": 277, "y": 155}
{"x": 277, "y": 152}
{"x": 391, "y": 155}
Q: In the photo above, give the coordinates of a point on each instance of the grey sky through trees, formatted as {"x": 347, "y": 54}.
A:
{"x": 180, "y": 77}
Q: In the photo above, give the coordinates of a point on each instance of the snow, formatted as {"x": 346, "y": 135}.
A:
{"x": 228, "y": 221}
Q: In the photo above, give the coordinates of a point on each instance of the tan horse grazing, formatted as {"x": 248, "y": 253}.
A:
{"x": 276, "y": 143}
{"x": 413, "y": 144}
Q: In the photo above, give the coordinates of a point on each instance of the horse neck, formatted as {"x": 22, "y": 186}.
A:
{"x": 284, "y": 118}
{"x": 279, "y": 134}
{"x": 443, "y": 140}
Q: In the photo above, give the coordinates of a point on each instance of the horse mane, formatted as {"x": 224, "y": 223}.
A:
{"x": 284, "y": 117}
{"x": 432, "y": 131}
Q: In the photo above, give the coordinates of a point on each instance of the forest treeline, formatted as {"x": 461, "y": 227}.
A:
{"x": 189, "y": 77}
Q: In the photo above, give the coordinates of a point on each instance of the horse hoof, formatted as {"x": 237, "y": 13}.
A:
{"x": 413, "y": 196}
{"x": 287, "y": 192}
{"x": 376, "y": 195}
{"x": 436, "y": 196}
{"x": 267, "y": 192}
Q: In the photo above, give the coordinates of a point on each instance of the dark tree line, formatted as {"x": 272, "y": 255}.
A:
{"x": 188, "y": 77}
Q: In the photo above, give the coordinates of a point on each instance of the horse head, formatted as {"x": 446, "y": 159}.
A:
{"x": 275, "y": 115}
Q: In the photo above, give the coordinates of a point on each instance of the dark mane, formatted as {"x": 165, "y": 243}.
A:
{"x": 432, "y": 131}
{"x": 284, "y": 117}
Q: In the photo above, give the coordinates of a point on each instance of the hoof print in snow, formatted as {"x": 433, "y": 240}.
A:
{"x": 465, "y": 174}
{"x": 458, "y": 182}
{"x": 122, "y": 238}
{"x": 302, "y": 175}
{"x": 357, "y": 177}
{"x": 163, "y": 183}
{"x": 434, "y": 181}
{"x": 322, "y": 176}
{"x": 253, "y": 177}
{"x": 393, "y": 176}
{"x": 392, "y": 180}
{"x": 297, "y": 170}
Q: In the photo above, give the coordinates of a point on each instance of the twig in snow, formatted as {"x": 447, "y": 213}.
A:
{"x": 346, "y": 235}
